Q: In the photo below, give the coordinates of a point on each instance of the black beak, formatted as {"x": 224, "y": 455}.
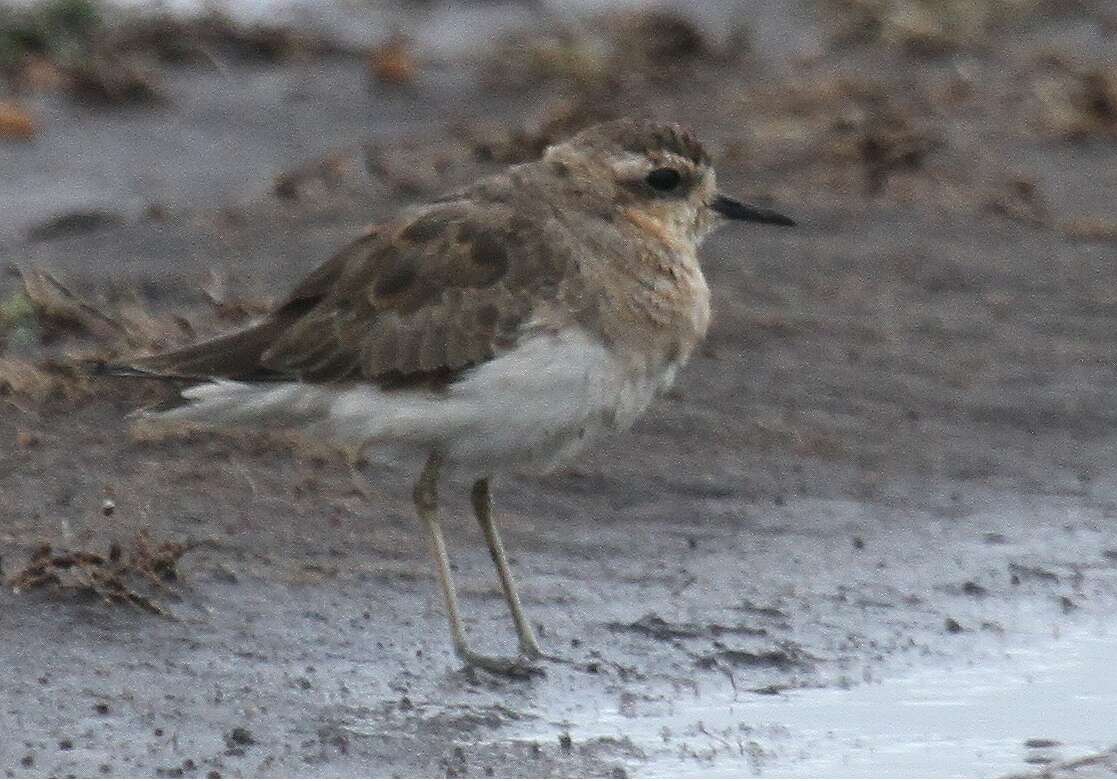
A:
{"x": 735, "y": 210}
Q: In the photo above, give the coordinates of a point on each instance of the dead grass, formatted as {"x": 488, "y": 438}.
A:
{"x": 47, "y": 312}
{"x": 1090, "y": 228}
{"x": 16, "y": 122}
{"x": 23, "y": 381}
{"x": 608, "y": 52}
{"x": 112, "y": 80}
{"x": 154, "y": 431}
{"x": 848, "y": 128}
{"x": 1075, "y": 101}
{"x": 394, "y": 63}
{"x": 132, "y": 576}
{"x": 927, "y": 27}
{"x": 110, "y": 56}
{"x": 59, "y": 311}
{"x": 55, "y": 304}
{"x": 1020, "y": 200}
{"x": 502, "y": 142}
{"x": 318, "y": 177}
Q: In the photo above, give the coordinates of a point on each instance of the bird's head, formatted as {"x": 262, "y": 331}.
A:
{"x": 657, "y": 174}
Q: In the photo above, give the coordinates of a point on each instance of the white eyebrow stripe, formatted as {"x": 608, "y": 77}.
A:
{"x": 633, "y": 166}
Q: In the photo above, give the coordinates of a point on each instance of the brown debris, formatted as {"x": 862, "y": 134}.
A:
{"x": 317, "y": 176}
{"x": 567, "y": 55}
{"x": 1090, "y": 228}
{"x": 889, "y": 142}
{"x": 16, "y": 123}
{"x": 927, "y": 27}
{"x": 230, "y": 307}
{"x": 409, "y": 173}
{"x": 607, "y": 52}
{"x": 23, "y": 380}
{"x": 502, "y": 143}
{"x": 61, "y": 311}
{"x": 40, "y": 75}
{"x": 660, "y": 37}
{"x": 26, "y": 439}
{"x": 783, "y": 656}
{"x": 56, "y": 304}
{"x": 198, "y": 37}
{"x": 856, "y": 132}
{"x": 114, "y": 81}
{"x": 74, "y": 223}
{"x": 653, "y": 626}
{"x": 115, "y": 59}
{"x": 118, "y": 577}
{"x": 1022, "y": 201}
{"x": 201, "y": 39}
{"x": 1077, "y": 102}
{"x": 393, "y": 63}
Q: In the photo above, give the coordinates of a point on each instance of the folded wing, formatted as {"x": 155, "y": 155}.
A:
{"x": 413, "y": 302}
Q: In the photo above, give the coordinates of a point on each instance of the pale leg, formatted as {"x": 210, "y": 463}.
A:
{"x": 482, "y": 508}
{"x": 426, "y": 504}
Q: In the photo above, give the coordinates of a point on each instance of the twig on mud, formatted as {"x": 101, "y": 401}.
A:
{"x": 111, "y": 577}
{"x": 37, "y": 383}
{"x": 54, "y": 300}
{"x": 130, "y": 325}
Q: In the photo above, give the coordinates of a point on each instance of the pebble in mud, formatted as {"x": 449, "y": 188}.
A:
{"x": 970, "y": 588}
{"x": 241, "y": 736}
{"x": 237, "y": 739}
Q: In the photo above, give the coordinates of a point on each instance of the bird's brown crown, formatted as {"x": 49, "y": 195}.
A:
{"x": 643, "y": 137}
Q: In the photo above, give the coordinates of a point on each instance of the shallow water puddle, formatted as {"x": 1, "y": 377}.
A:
{"x": 1055, "y": 700}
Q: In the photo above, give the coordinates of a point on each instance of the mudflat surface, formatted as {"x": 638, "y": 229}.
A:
{"x": 881, "y": 490}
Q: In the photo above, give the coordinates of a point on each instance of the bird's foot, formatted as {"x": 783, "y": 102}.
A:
{"x": 537, "y": 655}
{"x": 521, "y": 666}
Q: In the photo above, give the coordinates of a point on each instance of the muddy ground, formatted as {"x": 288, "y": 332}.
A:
{"x": 892, "y": 457}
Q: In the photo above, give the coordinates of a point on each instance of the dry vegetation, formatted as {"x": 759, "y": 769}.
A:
{"x": 109, "y": 59}
{"x": 928, "y": 26}
{"x": 1075, "y": 101}
{"x": 137, "y": 575}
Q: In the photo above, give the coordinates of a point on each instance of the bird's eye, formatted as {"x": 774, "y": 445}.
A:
{"x": 663, "y": 179}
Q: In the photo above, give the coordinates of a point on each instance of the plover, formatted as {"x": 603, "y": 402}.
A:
{"x": 502, "y": 327}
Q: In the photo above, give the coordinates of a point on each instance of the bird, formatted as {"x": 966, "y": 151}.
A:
{"x": 502, "y": 327}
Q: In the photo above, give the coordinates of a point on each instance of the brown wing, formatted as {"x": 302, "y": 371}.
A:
{"x": 414, "y": 301}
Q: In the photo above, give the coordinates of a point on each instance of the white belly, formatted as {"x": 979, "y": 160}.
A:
{"x": 540, "y": 404}
{"x": 532, "y": 408}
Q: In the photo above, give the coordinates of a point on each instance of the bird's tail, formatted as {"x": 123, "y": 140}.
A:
{"x": 236, "y": 356}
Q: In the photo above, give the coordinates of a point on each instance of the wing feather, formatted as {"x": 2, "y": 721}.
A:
{"x": 412, "y": 302}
